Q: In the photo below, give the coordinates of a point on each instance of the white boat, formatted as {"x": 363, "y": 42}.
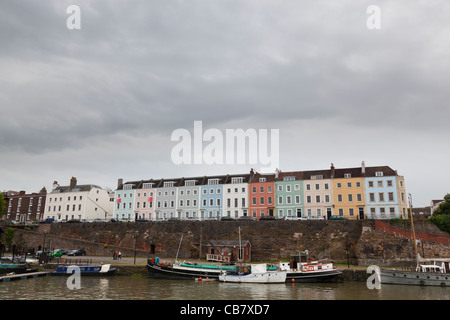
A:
{"x": 255, "y": 273}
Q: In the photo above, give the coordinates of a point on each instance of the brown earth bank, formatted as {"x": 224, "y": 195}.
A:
{"x": 360, "y": 242}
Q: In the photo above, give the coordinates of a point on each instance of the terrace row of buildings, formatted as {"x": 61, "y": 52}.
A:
{"x": 352, "y": 193}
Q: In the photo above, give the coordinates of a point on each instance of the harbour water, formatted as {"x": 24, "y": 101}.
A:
{"x": 143, "y": 288}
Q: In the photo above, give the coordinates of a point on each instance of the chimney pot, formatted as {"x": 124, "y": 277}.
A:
{"x": 73, "y": 182}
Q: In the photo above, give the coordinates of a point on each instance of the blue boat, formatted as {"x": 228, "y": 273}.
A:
{"x": 94, "y": 270}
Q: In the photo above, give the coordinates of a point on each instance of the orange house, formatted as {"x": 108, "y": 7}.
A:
{"x": 261, "y": 195}
{"x": 348, "y": 189}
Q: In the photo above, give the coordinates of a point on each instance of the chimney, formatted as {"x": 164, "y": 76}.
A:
{"x": 332, "y": 170}
{"x": 55, "y": 185}
{"x": 119, "y": 183}
{"x": 73, "y": 182}
{"x": 363, "y": 168}
{"x": 277, "y": 172}
{"x": 43, "y": 190}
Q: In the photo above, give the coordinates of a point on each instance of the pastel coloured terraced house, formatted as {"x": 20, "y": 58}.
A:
{"x": 211, "y": 198}
{"x": 348, "y": 189}
{"x": 144, "y": 207}
{"x": 385, "y": 194}
{"x": 289, "y": 194}
{"x": 188, "y": 199}
{"x": 235, "y": 196}
{"x": 318, "y": 191}
{"x": 261, "y": 195}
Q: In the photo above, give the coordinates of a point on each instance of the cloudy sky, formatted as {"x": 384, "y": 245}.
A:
{"x": 100, "y": 103}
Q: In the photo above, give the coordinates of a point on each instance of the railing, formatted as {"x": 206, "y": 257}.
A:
{"x": 217, "y": 257}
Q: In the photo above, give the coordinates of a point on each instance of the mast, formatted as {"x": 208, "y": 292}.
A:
{"x": 176, "y": 258}
{"x": 414, "y": 232}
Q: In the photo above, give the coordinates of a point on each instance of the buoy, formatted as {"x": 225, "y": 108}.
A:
{"x": 292, "y": 280}
{"x": 200, "y": 279}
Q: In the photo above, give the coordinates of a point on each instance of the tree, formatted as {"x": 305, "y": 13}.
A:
{"x": 441, "y": 216}
{"x": 444, "y": 207}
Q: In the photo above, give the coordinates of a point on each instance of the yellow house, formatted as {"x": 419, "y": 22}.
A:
{"x": 348, "y": 190}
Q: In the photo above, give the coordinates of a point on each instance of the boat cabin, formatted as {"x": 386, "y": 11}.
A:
{"x": 229, "y": 251}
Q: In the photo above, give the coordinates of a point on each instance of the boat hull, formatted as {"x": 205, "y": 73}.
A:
{"x": 314, "y": 276}
{"x": 86, "y": 271}
{"x": 269, "y": 277}
{"x": 414, "y": 278}
{"x": 158, "y": 271}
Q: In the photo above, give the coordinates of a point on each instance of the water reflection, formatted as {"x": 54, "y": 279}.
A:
{"x": 143, "y": 288}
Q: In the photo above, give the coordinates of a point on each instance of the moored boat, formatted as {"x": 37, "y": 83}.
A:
{"x": 94, "y": 270}
{"x": 184, "y": 270}
{"x": 299, "y": 269}
{"x": 434, "y": 273}
{"x": 255, "y": 273}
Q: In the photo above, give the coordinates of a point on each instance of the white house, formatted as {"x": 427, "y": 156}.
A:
{"x": 80, "y": 202}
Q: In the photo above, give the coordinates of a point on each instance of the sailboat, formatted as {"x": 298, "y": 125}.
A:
{"x": 428, "y": 272}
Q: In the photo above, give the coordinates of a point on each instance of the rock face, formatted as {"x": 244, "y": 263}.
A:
{"x": 359, "y": 242}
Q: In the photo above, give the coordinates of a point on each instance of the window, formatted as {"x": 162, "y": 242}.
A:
{"x": 341, "y": 212}
{"x": 372, "y": 197}
{"x": 261, "y": 201}
{"x": 228, "y": 203}
{"x": 317, "y": 186}
{"x": 347, "y": 175}
{"x": 262, "y": 179}
{"x": 326, "y": 186}
{"x": 253, "y": 189}
{"x": 237, "y": 180}
{"x": 296, "y": 187}
{"x": 381, "y": 196}
{"x": 317, "y": 199}
{"x": 392, "y": 212}
{"x": 297, "y": 199}
{"x": 280, "y": 200}
{"x": 391, "y": 196}
{"x": 358, "y": 184}
{"x": 213, "y": 182}
{"x": 308, "y": 199}
{"x": 339, "y": 197}
{"x": 288, "y": 188}
{"x": 379, "y": 174}
{"x": 380, "y": 183}
{"x": 308, "y": 187}
{"x": 389, "y": 183}
{"x": 126, "y": 187}
{"x": 359, "y": 197}
{"x": 280, "y": 187}
{"x": 261, "y": 189}
{"x": 269, "y": 189}
{"x": 147, "y": 185}
{"x": 290, "y": 178}
{"x": 349, "y": 184}
{"x": 254, "y": 201}
{"x": 350, "y": 198}
{"x": 269, "y": 200}
{"x": 370, "y": 184}
{"x": 351, "y": 212}
{"x": 327, "y": 198}
{"x": 339, "y": 185}
{"x": 288, "y": 199}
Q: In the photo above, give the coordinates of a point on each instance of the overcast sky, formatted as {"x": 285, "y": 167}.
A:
{"x": 100, "y": 103}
